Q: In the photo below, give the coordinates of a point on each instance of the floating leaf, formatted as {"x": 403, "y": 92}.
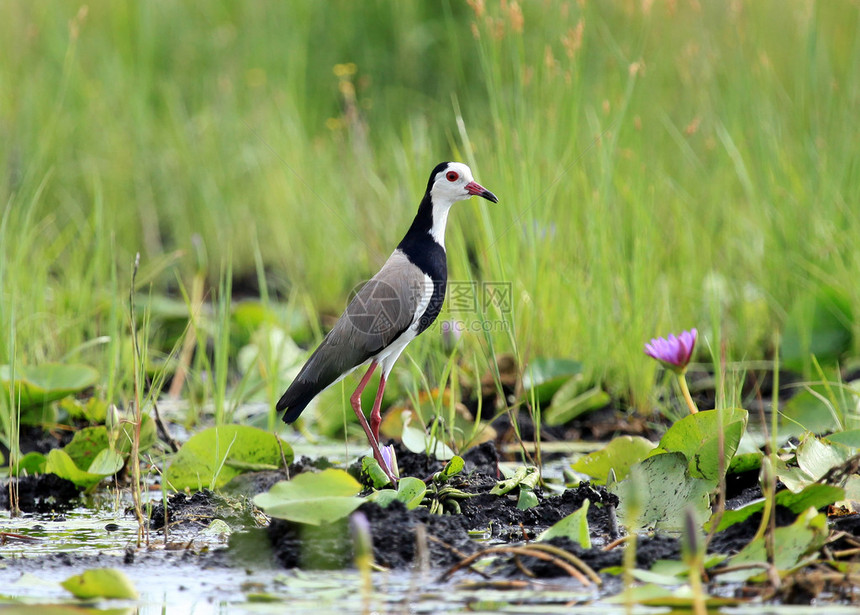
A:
{"x": 814, "y": 458}
{"x": 573, "y": 526}
{"x": 791, "y": 544}
{"x": 570, "y": 401}
{"x": 101, "y": 583}
{"x": 58, "y": 462}
{"x": 681, "y": 598}
{"x": 813, "y": 496}
{"x": 850, "y": 438}
{"x": 106, "y": 463}
{"x": 697, "y": 437}
{"x": 619, "y": 455}
{"x": 31, "y": 463}
{"x": 312, "y": 498}
{"x": 808, "y": 411}
{"x": 36, "y": 385}
{"x": 659, "y": 489}
{"x": 546, "y": 376}
{"x": 214, "y": 456}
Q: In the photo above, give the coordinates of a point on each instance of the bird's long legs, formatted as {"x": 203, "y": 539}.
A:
{"x": 376, "y": 413}
{"x": 372, "y": 434}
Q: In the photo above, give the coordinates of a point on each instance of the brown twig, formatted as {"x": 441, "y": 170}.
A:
{"x": 456, "y": 552}
{"x": 529, "y": 551}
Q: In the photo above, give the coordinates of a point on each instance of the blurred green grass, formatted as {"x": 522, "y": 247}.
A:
{"x": 660, "y": 165}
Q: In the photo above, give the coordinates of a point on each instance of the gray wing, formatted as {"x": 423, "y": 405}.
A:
{"x": 380, "y": 312}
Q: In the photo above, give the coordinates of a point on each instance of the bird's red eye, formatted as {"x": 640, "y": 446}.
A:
{"x": 451, "y": 176}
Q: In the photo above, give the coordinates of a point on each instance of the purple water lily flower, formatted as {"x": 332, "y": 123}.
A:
{"x": 673, "y": 352}
{"x": 390, "y": 458}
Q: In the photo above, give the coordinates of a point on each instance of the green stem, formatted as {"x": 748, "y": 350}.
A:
{"x": 682, "y": 380}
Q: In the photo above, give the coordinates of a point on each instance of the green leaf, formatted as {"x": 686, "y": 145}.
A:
{"x": 809, "y": 410}
{"x": 203, "y": 461}
{"x": 546, "y": 376}
{"x": 697, "y": 437}
{"x": 818, "y": 324}
{"x": 619, "y": 455}
{"x": 454, "y": 466}
{"x": 86, "y": 444}
{"x": 312, "y": 498}
{"x": 94, "y": 411}
{"x": 371, "y": 467}
{"x": 59, "y": 463}
{"x": 527, "y": 476}
{"x": 527, "y": 498}
{"x": 791, "y": 544}
{"x": 574, "y": 526}
{"x": 31, "y": 463}
{"x": 36, "y": 385}
{"x": 106, "y": 463}
{"x": 658, "y": 490}
{"x": 101, "y": 583}
{"x": 849, "y": 438}
{"x": 570, "y": 402}
{"x": 410, "y": 491}
{"x": 814, "y": 458}
{"x": 813, "y": 496}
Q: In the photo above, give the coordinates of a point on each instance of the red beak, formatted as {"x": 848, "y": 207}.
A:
{"x": 478, "y": 190}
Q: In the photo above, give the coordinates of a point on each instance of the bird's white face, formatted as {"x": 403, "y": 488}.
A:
{"x": 452, "y": 184}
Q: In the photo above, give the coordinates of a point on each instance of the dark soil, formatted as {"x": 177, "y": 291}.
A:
{"x": 403, "y": 538}
{"x": 200, "y": 509}
{"x": 43, "y": 493}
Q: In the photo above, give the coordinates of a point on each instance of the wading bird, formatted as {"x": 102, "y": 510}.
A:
{"x": 391, "y": 309}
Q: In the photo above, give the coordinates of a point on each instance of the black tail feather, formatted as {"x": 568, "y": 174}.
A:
{"x": 295, "y": 400}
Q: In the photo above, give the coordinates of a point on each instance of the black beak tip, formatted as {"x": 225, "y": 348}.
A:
{"x": 490, "y": 196}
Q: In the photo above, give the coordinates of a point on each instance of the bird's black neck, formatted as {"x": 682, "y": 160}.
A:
{"x": 419, "y": 246}
{"x": 429, "y": 256}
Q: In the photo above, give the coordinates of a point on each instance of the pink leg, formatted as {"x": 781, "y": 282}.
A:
{"x": 355, "y": 402}
{"x": 376, "y": 413}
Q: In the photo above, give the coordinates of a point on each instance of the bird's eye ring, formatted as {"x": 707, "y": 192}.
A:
{"x": 452, "y": 176}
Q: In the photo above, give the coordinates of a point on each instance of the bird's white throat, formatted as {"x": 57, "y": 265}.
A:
{"x": 440, "y": 220}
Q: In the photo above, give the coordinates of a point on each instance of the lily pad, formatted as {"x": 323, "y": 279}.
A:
{"x": 570, "y": 401}
{"x": 101, "y": 583}
{"x": 791, "y": 544}
{"x": 546, "y": 375}
{"x": 58, "y": 462}
{"x": 312, "y": 498}
{"x": 809, "y": 412}
{"x": 697, "y": 437}
{"x": 619, "y": 455}
{"x": 35, "y": 385}
{"x": 659, "y": 489}
{"x": 813, "y": 496}
{"x": 814, "y": 459}
{"x": 214, "y": 456}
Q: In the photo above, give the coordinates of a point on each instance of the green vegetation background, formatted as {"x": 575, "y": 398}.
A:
{"x": 659, "y": 165}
